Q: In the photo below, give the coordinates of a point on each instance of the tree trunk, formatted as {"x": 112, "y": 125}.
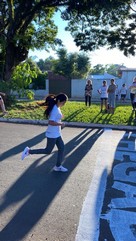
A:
{"x": 14, "y": 56}
{"x": 9, "y": 62}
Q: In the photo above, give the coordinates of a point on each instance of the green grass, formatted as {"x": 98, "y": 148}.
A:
{"x": 74, "y": 111}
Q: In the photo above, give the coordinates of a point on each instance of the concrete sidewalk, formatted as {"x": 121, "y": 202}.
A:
{"x": 70, "y": 124}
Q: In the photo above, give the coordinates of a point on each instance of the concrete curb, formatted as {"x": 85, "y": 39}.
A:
{"x": 70, "y": 124}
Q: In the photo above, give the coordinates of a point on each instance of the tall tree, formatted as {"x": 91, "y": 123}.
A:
{"x": 24, "y": 25}
{"x": 114, "y": 69}
{"x": 111, "y": 23}
{"x": 98, "y": 69}
{"x": 72, "y": 65}
{"x": 27, "y": 25}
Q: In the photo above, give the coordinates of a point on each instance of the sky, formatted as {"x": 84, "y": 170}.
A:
{"x": 101, "y": 56}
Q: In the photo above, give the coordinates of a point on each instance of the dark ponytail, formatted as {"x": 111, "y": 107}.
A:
{"x": 52, "y": 100}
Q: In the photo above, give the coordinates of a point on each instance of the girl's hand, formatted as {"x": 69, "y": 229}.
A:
{"x": 62, "y": 125}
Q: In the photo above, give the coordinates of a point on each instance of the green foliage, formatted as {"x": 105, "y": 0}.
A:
{"x": 113, "y": 69}
{"x": 4, "y": 86}
{"x": 71, "y": 65}
{"x": 22, "y": 78}
{"x": 41, "y": 65}
{"x": 26, "y": 25}
{"x": 74, "y": 111}
{"x": 38, "y": 81}
{"x": 46, "y": 65}
{"x": 98, "y": 69}
{"x": 106, "y": 23}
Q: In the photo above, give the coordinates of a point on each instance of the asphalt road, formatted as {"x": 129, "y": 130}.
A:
{"x": 38, "y": 204}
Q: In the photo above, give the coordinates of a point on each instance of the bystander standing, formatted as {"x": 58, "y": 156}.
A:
{"x": 123, "y": 93}
{"x": 88, "y": 92}
{"x": 132, "y": 89}
{"x": 111, "y": 96}
{"x": 2, "y": 105}
{"x": 104, "y": 95}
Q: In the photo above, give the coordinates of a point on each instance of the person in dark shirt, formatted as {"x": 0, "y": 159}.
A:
{"x": 88, "y": 92}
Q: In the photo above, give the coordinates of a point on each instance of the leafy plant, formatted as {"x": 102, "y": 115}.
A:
{"x": 22, "y": 78}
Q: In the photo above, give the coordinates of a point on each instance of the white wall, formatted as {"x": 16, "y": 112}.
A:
{"x": 127, "y": 77}
{"x": 78, "y": 87}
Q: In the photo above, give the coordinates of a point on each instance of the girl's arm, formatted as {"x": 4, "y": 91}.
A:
{"x": 54, "y": 123}
{"x": 86, "y": 87}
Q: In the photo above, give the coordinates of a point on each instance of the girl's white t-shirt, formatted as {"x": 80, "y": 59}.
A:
{"x": 54, "y": 131}
{"x": 123, "y": 91}
{"x": 133, "y": 88}
{"x": 103, "y": 91}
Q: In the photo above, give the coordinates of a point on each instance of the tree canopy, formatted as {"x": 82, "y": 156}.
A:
{"x": 111, "y": 23}
{"x": 73, "y": 65}
{"x": 24, "y": 25}
{"x": 113, "y": 69}
{"x": 29, "y": 24}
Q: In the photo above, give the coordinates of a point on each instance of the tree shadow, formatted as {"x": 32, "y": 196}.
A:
{"x": 38, "y": 185}
{"x": 17, "y": 149}
{"x": 102, "y": 118}
{"x": 75, "y": 113}
{"x": 95, "y": 118}
{"x": 107, "y": 119}
{"x": 131, "y": 118}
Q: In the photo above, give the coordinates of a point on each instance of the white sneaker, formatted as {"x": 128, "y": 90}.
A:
{"x": 60, "y": 169}
{"x": 25, "y": 153}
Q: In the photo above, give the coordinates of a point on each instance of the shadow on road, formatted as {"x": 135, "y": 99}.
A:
{"x": 38, "y": 185}
{"x": 18, "y": 149}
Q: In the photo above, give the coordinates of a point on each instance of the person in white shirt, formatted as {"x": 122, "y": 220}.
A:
{"x": 132, "y": 89}
{"x": 53, "y": 104}
{"x": 123, "y": 92}
{"x": 104, "y": 95}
